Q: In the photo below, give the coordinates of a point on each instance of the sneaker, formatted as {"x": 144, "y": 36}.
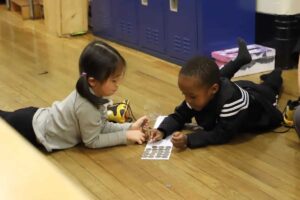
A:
{"x": 289, "y": 111}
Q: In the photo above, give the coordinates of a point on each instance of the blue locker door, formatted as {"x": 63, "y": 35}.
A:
{"x": 102, "y": 18}
{"x": 219, "y": 26}
{"x": 151, "y": 25}
{"x": 125, "y": 15}
{"x": 181, "y": 29}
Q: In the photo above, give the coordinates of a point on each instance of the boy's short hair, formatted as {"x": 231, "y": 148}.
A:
{"x": 203, "y": 68}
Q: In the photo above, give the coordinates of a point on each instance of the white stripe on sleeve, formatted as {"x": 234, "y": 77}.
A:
{"x": 235, "y": 107}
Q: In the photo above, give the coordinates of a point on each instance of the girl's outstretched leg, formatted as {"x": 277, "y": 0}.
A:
{"x": 21, "y": 121}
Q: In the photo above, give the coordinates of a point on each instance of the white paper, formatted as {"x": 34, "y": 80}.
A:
{"x": 160, "y": 150}
{"x": 159, "y": 119}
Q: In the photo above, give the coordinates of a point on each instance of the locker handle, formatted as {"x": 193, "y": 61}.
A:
{"x": 144, "y": 2}
{"x": 174, "y": 5}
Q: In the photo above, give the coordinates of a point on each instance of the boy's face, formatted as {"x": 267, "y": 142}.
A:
{"x": 195, "y": 95}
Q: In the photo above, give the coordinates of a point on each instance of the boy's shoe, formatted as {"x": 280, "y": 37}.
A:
{"x": 120, "y": 112}
{"x": 269, "y": 75}
{"x": 289, "y": 111}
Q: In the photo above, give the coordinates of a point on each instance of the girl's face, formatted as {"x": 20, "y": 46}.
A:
{"x": 109, "y": 87}
{"x": 195, "y": 95}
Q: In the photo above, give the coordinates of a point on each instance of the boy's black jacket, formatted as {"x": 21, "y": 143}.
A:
{"x": 237, "y": 107}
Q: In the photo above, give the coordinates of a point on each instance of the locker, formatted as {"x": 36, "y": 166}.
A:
{"x": 151, "y": 24}
{"x": 181, "y": 29}
{"x": 125, "y": 17}
{"x": 221, "y": 22}
{"x": 102, "y": 18}
{"x": 175, "y": 30}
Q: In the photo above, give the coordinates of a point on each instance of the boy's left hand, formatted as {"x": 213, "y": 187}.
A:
{"x": 140, "y": 123}
{"x": 179, "y": 140}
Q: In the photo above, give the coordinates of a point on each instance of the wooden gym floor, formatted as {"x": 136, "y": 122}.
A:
{"x": 37, "y": 68}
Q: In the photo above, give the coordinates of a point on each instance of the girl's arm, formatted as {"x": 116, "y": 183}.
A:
{"x": 109, "y": 127}
{"x": 105, "y": 140}
{"x": 95, "y": 132}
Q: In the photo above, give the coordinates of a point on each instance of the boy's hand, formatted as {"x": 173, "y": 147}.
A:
{"x": 140, "y": 123}
{"x": 136, "y": 136}
{"x": 179, "y": 140}
{"x": 156, "y": 135}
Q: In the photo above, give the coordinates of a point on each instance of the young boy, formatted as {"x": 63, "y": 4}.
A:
{"x": 221, "y": 107}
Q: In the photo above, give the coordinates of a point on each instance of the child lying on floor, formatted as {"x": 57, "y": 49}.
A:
{"x": 221, "y": 107}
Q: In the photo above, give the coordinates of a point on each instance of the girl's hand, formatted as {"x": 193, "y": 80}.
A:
{"x": 136, "y": 136}
{"x": 140, "y": 123}
{"x": 179, "y": 140}
{"x": 156, "y": 135}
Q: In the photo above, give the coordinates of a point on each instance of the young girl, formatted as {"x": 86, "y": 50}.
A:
{"x": 81, "y": 116}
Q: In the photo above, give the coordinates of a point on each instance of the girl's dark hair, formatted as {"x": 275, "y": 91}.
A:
{"x": 204, "y": 69}
{"x": 98, "y": 60}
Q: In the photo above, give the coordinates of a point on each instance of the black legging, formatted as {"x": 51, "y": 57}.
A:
{"x": 21, "y": 120}
{"x": 297, "y": 46}
{"x": 270, "y": 86}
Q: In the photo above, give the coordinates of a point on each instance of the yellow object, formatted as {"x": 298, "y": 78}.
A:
{"x": 288, "y": 114}
{"x": 120, "y": 112}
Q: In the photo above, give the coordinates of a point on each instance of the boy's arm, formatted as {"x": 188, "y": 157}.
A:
{"x": 225, "y": 129}
{"x": 175, "y": 121}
